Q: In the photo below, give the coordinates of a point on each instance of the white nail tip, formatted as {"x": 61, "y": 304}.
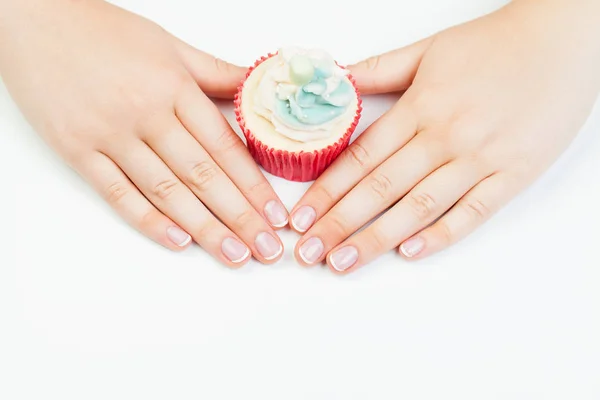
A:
{"x": 303, "y": 258}
{"x": 274, "y": 256}
{"x": 403, "y": 251}
{"x": 281, "y": 225}
{"x": 296, "y": 228}
{"x": 186, "y": 241}
{"x": 239, "y": 260}
{"x": 333, "y": 265}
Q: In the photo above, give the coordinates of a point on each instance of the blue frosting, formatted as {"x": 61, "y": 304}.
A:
{"x": 311, "y": 104}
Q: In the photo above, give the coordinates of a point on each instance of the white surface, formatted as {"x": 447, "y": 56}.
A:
{"x": 89, "y": 309}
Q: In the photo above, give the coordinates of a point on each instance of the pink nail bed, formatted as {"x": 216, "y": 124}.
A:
{"x": 303, "y": 219}
{"x": 344, "y": 258}
{"x": 276, "y": 214}
{"x": 178, "y": 236}
{"x": 268, "y": 246}
{"x": 234, "y": 250}
{"x": 311, "y": 251}
{"x": 412, "y": 247}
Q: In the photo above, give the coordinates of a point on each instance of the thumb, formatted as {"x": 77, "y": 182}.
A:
{"x": 390, "y": 72}
{"x": 216, "y": 78}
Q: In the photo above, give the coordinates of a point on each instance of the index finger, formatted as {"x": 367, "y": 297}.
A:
{"x": 382, "y": 139}
{"x": 205, "y": 122}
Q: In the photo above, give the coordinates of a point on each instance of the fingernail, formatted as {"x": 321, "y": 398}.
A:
{"x": 344, "y": 258}
{"x": 234, "y": 250}
{"x": 311, "y": 251}
{"x": 276, "y": 214}
{"x": 412, "y": 247}
{"x": 304, "y": 218}
{"x": 178, "y": 236}
{"x": 268, "y": 246}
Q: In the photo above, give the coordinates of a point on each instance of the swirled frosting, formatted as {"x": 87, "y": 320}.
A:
{"x": 303, "y": 94}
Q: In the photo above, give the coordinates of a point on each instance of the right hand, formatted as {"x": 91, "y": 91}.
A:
{"x": 125, "y": 104}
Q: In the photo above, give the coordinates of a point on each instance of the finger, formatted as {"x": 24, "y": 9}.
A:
{"x": 390, "y": 72}
{"x": 382, "y": 139}
{"x": 471, "y": 211}
{"x": 420, "y": 207}
{"x": 204, "y": 121}
{"x": 198, "y": 171}
{"x": 118, "y": 191}
{"x": 156, "y": 181}
{"x": 217, "y": 78}
{"x": 379, "y": 190}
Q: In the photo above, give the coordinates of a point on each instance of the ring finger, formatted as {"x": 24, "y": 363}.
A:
{"x": 130, "y": 204}
{"x": 158, "y": 183}
{"x": 420, "y": 207}
{"x": 195, "y": 167}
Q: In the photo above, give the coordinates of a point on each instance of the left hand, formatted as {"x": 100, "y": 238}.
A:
{"x": 490, "y": 105}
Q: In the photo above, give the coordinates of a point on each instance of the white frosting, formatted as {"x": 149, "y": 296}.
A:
{"x": 264, "y": 130}
{"x": 276, "y": 83}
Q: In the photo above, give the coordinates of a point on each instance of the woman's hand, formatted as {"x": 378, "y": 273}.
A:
{"x": 490, "y": 105}
{"x": 126, "y": 105}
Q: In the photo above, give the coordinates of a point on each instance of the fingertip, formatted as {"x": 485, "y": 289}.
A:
{"x": 343, "y": 259}
{"x": 276, "y": 214}
{"x": 268, "y": 248}
{"x": 336, "y": 271}
{"x": 237, "y": 264}
{"x": 416, "y": 248}
{"x": 302, "y": 218}
{"x": 309, "y": 251}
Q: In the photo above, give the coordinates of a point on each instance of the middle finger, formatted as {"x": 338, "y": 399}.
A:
{"x": 195, "y": 167}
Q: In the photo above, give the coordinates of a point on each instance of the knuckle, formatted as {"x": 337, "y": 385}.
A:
{"x": 202, "y": 175}
{"x": 378, "y": 240}
{"x": 337, "y": 223}
{"x": 221, "y": 65}
{"x": 446, "y": 235}
{"x": 164, "y": 189}
{"x": 206, "y": 231}
{"x": 323, "y": 195}
{"x": 381, "y": 185}
{"x": 372, "y": 63}
{"x": 115, "y": 192}
{"x": 244, "y": 219}
{"x": 422, "y": 205}
{"x": 358, "y": 155}
{"x": 148, "y": 220}
{"x": 228, "y": 141}
{"x": 475, "y": 208}
{"x": 257, "y": 188}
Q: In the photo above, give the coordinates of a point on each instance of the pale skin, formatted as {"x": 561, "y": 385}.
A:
{"x": 489, "y": 105}
{"x": 130, "y": 113}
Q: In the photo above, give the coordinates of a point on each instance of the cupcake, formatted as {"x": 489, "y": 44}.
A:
{"x": 297, "y": 109}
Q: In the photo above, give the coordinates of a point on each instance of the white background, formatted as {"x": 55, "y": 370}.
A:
{"x": 90, "y": 309}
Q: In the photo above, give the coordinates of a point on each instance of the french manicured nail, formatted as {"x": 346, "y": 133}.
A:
{"x": 412, "y": 247}
{"x": 303, "y": 219}
{"x": 268, "y": 246}
{"x": 234, "y": 250}
{"x": 344, "y": 258}
{"x": 178, "y": 236}
{"x": 312, "y": 250}
{"x": 276, "y": 214}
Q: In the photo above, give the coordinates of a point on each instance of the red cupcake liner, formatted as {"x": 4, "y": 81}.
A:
{"x": 298, "y": 167}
